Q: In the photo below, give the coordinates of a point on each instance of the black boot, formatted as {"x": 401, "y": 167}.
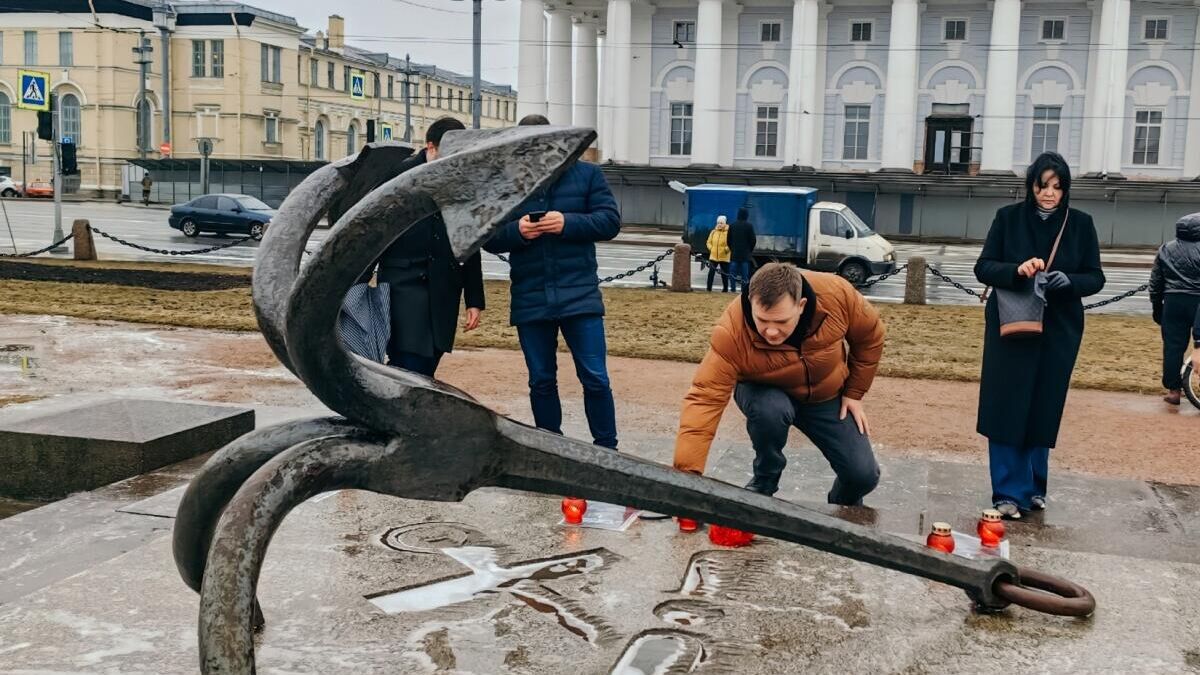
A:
{"x": 763, "y": 486}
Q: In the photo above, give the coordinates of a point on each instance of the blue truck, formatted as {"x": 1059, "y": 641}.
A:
{"x": 791, "y": 226}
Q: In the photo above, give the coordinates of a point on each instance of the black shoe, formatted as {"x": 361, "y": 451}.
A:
{"x": 762, "y": 487}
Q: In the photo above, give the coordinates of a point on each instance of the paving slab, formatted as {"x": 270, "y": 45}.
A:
{"x": 70, "y": 445}
{"x": 363, "y": 583}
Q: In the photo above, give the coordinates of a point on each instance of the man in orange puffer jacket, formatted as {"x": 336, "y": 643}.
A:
{"x": 796, "y": 349}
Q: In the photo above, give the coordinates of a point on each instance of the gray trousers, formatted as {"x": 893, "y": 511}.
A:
{"x": 771, "y": 413}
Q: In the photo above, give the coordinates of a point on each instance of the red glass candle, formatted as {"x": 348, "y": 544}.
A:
{"x": 727, "y": 536}
{"x": 688, "y": 525}
{"x": 940, "y": 538}
{"x": 991, "y": 528}
{"x": 573, "y": 509}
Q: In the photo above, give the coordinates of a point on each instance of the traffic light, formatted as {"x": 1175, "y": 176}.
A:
{"x": 69, "y": 166}
{"x": 45, "y": 130}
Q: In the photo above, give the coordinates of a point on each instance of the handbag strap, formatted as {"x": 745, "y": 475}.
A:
{"x": 1053, "y": 252}
{"x": 1058, "y": 240}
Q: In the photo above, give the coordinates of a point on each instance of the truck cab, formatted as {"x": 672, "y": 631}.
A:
{"x": 791, "y": 225}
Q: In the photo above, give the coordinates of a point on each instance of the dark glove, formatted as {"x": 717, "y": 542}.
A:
{"x": 1156, "y": 312}
{"x": 1056, "y": 281}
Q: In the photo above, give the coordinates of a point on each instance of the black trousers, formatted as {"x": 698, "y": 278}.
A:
{"x": 771, "y": 413}
{"x": 723, "y": 269}
{"x": 1179, "y": 313}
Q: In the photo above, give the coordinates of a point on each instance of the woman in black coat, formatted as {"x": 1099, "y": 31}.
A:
{"x": 1023, "y": 388}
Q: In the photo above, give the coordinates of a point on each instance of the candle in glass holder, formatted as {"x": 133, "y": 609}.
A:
{"x": 727, "y": 536}
{"x": 573, "y": 509}
{"x": 991, "y": 528}
{"x": 688, "y": 525}
{"x": 940, "y": 538}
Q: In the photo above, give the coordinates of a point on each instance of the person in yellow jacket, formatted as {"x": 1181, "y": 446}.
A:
{"x": 719, "y": 254}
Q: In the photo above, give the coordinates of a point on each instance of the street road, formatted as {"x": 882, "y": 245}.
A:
{"x": 32, "y": 223}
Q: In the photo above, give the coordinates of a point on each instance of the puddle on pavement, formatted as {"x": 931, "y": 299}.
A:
{"x": 486, "y": 576}
{"x": 688, "y": 613}
{"x": 570, "y": 614}
{"x": 19, "y": 357}
{"x": 658, "y": 653}
{"x": 712, "y": 572}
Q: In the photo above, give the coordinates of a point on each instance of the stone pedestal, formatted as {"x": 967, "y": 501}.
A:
{"x": 681, "y": 269}
{"x": 83, "y": 244}
{"x": 914, "y": 282}
{"x": 51, "y": 451}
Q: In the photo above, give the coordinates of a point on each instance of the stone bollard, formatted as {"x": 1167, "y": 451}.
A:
{"x": 83, "y": 244}
{"x": 681, "y": 269}
{"x": 914, "y": 283}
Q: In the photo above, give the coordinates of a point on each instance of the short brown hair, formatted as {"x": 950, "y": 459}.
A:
{"x": 773, "y": 281}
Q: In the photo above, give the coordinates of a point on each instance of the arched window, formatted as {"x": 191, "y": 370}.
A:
{"x": 319, "y": 140}
{"x": 72, "y": 119}
{"x": 145, "y": 118}
{"x": 5, "y": 119}
{"x": 351, "y": 140}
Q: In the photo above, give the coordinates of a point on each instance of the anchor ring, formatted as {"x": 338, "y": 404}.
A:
{"x": 1046, "y": 593}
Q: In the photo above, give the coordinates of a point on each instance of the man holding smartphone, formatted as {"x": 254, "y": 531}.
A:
{"x": 555, "y": 289}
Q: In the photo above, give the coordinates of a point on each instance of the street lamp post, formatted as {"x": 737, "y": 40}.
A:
{"x": 142, "y": 54}
{"x": 477, "y": 40}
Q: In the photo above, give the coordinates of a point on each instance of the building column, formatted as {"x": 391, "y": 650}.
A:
{"x": 1000, "y": 103}
{"x": 1118, "y": 81}
{"x": 1191, "y": 155}
{"x": 706, "y": 103}
{"x": 558, "y": 54}
{"x": 803, "y": 84}
{"x": 1093, "y": 126}
{"x": 584, "y": 114}
{"x": 619, "y": 41}
{"x": 900, "y": 100}
{"x": 531, "y": 59}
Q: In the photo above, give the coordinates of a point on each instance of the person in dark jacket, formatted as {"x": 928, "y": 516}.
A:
{"x": 742, "y": 241}
{"x": 555, "y": 289}
{"x": 1175, "y": 298}
{"x": 1023, "y": 387}
{"x": 427, "y": 283}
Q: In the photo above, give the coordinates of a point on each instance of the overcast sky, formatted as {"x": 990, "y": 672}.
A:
{"x": 432, "y": 31}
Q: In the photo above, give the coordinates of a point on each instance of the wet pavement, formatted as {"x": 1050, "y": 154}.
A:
{"x": 357, "y": 582}
{"x": 361, "y": 583}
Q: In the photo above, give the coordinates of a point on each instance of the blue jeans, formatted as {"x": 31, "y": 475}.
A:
{"x": 585, "y": 339}
{"x": 738, "y": 270}
{"x": 1018, "y": 474}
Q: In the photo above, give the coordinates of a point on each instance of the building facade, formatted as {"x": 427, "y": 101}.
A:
{"x": 252, "y": 81}
{"x": 959, "y": 87}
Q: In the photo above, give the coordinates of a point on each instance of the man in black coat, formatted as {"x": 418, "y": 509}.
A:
{"x": 1024, "y": 383}
{"x": 427, "y": 283}
{"x": 1175, "y": 298}
{"x": 742, "y": 241}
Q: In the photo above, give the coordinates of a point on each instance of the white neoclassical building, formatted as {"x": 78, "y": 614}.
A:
{"x": 872, "y": 85}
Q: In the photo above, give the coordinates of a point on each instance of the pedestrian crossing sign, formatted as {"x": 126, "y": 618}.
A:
{"x": 386, "y": 132}
{"x": 35, "y": 90}
{"x": 358, "y": 86}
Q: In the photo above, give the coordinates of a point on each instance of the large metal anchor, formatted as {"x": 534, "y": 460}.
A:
{"x": 412, "y": 437}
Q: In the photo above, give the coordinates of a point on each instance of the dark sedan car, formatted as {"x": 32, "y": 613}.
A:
{"x": 221, "y": 214}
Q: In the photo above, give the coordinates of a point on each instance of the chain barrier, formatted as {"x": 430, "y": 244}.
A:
{"x": 40, "y": 251}
{"x": 1118, "y": 298}
{"x": 882, "y": 277}
{"x": 653, "y": 263}
{"x": 164, "y": 251}
{"x": 728, "y": 276}
{"x": 946, "y": 278}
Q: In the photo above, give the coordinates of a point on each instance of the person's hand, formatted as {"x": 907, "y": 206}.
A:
{"x": 1057, "y": 281}
{"x": 551, "y": 223}
{"x": 529, "y": 230}
{"x": 473, "y": 316}
{"x": 1156, "y": 310}
{"x": 855, "y": 408}
{"x": 1031, "y": 267}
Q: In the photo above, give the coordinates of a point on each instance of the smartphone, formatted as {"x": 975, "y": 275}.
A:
{"x": 535, "y": 216}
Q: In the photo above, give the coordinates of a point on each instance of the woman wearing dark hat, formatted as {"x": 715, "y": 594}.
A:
{"x": 1042, "y": 245}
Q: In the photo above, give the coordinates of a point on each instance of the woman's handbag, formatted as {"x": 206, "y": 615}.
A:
{"x": 1021, "y": 311}
{"x": 365, "y": 323}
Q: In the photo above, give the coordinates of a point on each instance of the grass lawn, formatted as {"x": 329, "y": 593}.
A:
{"x": 1120, "y": 353}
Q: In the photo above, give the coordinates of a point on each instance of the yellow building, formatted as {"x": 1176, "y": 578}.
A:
{"x": 250, "y": 80}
